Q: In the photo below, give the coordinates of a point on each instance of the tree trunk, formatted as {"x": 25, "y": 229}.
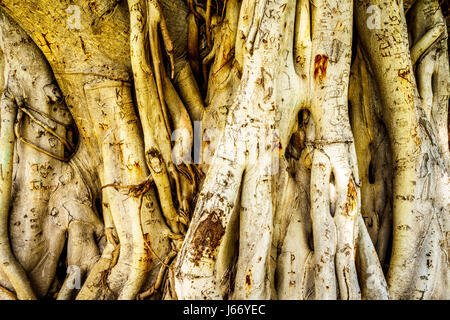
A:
{"x": 239, "y": 149}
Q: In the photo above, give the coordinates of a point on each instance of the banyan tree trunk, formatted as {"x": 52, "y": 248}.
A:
{"x": 239, "y": 149}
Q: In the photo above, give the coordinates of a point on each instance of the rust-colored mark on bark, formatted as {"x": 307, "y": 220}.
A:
{"x": 208, "y": 237}
{"x": 147, "y": 260}
{"x": 320, "y": 66}
{"x": 351, "y": 203}
{"x": 248, "y": 281}
{"x": 416, "y": 137}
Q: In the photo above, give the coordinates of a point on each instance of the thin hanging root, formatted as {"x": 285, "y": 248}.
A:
{"x": 192, "y": 8}
{"x": 158, "y": 148}
{"x": 169, "y": 292}
{"x": 174, "y": 174}
{"x": 64, "y": 141}
{"x": 208, "y": 23}
{"x": 115, "y": 256}
{"x": 109, "y": 232}
{"x": 91, "y": 288}
{"x": 171, "y": 281}
{"x": 104, "y": 281}
{"x": 224, "y": 9}
{"x": 149, "y": 247}
{"x": 193, "y": 44}
{"x": 208, "y": 59}
{"x": 183, "y": 211}
{"x": 164, "y": 264}
{"x": 189, "y": 91}
{"x": 19, "y": 136}
{"x": 158, "y": 22}
{"x": 172, "y": 103}
{"x": 105, "y": 273}
{"x": 161, "y": 177}
{"x": 10, "y": 266}
{"x": 182, "y": 147}
{"x": 136, "y": 190}
{"x": 156, "y": 17}
{"x": 187, "y": 171}
{"x": 160, "y": 278}
{"x": 180, "y": 119}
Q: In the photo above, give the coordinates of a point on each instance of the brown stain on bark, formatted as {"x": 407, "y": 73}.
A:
{"x": 208, "y": 237}
{"x": 320, "y": 66}
{"x": 147, "y": 260}
{"x": 351, "y": 203}
{"x": 248, "y": 281}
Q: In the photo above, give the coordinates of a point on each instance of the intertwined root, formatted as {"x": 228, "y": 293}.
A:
{"x": 303, "y": 223}
{"x": 33, "y": 113}
{"x": 164, "y": 159}
{"x": 414, "y": 146}
{"x": 61, "y": 199}
{"x": 10, "y": 266}
{"x": 374, "y": 158}
{"x": 344, "y": 257}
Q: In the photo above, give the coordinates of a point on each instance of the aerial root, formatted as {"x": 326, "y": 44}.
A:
{"x": 207, "y": 60}
{"x": 193, "y": 40}
{"x": 158, "y": 22}
{"x": 19, "y": 137}
{"x": 64, "y": 141}
{"x": 8, "y": 262}
{"x": 149, "y": 93}
{"x": 208, "y": 22}
{"x": 105, "y": 273}
{"x": 135, "y": 190}
{"x": 189, "y": 90}
{"x": 110, "y": 237}
{"x": 426, "y": 42}
{"x": 172, "y": 106}
{"x": 192, "y": 4}
{"x": 190, "y": 171}
{"x": 165, "y": 265}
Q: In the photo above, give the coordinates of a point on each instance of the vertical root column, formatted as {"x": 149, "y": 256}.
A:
{"x": 324, "y": 229}
{"x": 124, "y": 164}
{"x": 10, "y": 266}
{"x": 387, "y": 50}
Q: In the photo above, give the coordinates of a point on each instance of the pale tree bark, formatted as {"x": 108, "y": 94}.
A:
{"x": 239, "y": 149}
